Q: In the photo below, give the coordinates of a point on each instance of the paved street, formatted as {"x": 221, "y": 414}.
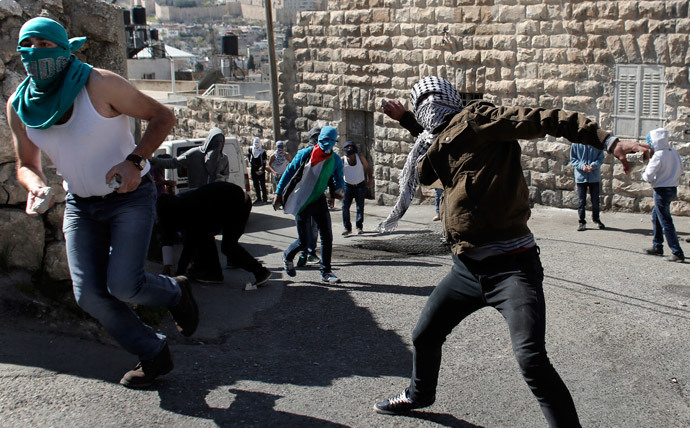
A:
{"x": 300, "y": 353}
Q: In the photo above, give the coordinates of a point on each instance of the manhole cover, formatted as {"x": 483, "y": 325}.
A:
{"x": 427, "y": 243}
{"x": 680, "y": 290}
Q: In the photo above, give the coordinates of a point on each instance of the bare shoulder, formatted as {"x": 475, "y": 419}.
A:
{"x": 104, "y": 83}
{"x": 16, "y": 125}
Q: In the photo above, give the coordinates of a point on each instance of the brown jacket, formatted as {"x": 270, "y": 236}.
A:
{"x": 477, "y": 159}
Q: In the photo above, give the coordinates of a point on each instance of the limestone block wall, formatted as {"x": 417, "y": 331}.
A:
{"x": 518, "y": 52}
{"x": 36, "y": 243}
{"x": 244, "y": 119}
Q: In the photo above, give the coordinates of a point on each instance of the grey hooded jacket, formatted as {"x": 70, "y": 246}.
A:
{"x": 205, "y": 164}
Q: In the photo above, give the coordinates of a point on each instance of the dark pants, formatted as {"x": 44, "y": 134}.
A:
{"x": 582, "y": 200}
{"x": 259, "y": 182}
{"x": 513, "y": 285}
{"x": 201, "y": 247}
{"x": 663, "y": 222}
{"x": 356, "y": 192}
{"x": 318, "y": 210}
{"x": 312, "y": 235}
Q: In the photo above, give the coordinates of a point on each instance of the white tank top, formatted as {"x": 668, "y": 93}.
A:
{"x": 353, "y": 174}
{"x": 86, "y": 146}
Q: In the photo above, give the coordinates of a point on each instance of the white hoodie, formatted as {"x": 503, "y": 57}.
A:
{"x": 665, "y": 167}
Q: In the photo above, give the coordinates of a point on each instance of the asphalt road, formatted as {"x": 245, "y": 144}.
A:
{"x": 301, "y": 353}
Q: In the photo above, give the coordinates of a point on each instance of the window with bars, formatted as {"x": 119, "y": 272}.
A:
{"x": 639, "y": 100}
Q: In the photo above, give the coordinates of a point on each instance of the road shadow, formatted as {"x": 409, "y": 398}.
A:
{"x": 378, "y": 288}
{"x": 313, "y": 337}
{"x": 443, "y": 419}
{"x": 643, "y": 232}
{"x": 259, "y": 222}
{"x": 385, "y": 262}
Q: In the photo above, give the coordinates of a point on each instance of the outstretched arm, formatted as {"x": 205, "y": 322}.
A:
{"x": 623, "y": 147}
{"x": 511, "y": 123}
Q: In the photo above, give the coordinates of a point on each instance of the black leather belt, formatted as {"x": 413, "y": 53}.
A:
{"x": 144, "y": 179}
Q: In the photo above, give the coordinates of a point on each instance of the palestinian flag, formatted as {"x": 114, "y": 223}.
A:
{"x": 312, "y": 181}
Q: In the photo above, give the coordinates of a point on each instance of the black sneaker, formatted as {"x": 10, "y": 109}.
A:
{"x": 262, "y": 277}
{"x": 186, "y": 312}
{"x": 600, "y": 224}
{"x": 289, "y": 267}
{"x": 398, "y": 404}
{"x": 653, "y": 251}
{"x": 313, "y": 259}
{"x": 582, "y": 227}
{"x": 330, "y": 278}
{"x": 302, "y": 260}
{"x": 146, "y": 371}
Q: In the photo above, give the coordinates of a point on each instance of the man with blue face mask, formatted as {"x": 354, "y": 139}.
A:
{"x": 301, "y": 193}
{"x": 79, "y": 116}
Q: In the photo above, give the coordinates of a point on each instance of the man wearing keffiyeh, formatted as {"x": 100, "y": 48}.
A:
{"x": 434, "y": 98}
{"x": 475, "y": 154}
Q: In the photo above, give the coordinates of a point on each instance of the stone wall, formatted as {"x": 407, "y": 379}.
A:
{"x": 244, "y": 119}
{"x": 36, "y": 243}
{"x": 518, "y": 52}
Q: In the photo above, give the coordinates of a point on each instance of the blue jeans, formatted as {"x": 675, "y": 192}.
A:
{"x": 439, "y": 194}
{"x": 662, "y": 221}
{"x": 512, "y": 284}
{"x": 317, "y": 211}
{"x": 358, "y": 192}
{"x": 582, "y": 200}
{"x": 107, "y": 240}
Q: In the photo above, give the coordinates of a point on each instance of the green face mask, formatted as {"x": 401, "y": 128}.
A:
{"x": 55, "y": 75}
{"x": 45, "y": 65}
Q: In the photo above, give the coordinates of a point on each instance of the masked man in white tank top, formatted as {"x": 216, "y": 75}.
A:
{"x": 79, "y": 116}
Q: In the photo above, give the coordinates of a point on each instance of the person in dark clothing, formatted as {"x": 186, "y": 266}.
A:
{"x": 202, "y": 213}
{"x": 257, "y": 165}
{"x": 474, "y": 152}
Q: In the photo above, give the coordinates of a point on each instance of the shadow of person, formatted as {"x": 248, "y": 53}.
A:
{"x": 258, "y": 409}
{"x": 313, "y": 337}
{"x": 443, "y": 419}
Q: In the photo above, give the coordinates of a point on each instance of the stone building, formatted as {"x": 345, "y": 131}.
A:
{"x": 623, "y": 63}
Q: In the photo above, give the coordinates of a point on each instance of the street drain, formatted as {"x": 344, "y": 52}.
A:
{"x": 425, "y": 243}
{"x": 680, "y": 290}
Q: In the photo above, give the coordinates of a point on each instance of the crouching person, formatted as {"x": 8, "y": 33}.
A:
{"x": 199, "y": 215}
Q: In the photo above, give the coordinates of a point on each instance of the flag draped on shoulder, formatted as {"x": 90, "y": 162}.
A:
{"x": 312, "y": 182}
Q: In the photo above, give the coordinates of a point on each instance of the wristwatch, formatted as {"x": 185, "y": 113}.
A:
{"x": 137, "y": 160}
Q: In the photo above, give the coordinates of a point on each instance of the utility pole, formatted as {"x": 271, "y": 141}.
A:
{"x": 273, "y": 70}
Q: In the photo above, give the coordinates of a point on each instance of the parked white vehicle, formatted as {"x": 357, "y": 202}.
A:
{"x": 232, "y": 148}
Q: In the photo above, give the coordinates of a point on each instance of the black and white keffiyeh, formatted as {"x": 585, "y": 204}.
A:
{"x": 432, "y": 98}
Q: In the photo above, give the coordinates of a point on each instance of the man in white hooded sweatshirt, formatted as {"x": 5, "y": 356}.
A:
{"x": 663, "y": 173}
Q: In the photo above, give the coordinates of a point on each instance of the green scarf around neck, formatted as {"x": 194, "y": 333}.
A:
{"x": 55, "y": 75}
